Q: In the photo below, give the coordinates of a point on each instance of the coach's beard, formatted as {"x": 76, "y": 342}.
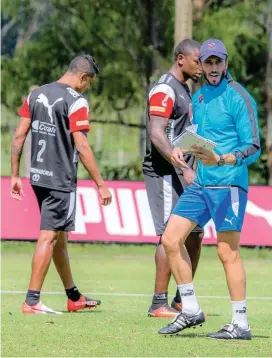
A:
{"x": 223, "y": 75}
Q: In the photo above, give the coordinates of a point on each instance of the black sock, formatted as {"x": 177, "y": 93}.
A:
{"x": 177, "y": 297}
{"x": 73, "y": 293}
{"x": 32, "y": 297}
{"x": 159, "y": 299}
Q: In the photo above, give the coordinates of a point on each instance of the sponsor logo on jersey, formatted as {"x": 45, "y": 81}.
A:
{"x": 82, "y": 123}
{"x": 41, "y": 172}
{"x": 162, "y": 78}
{"x": 157, "y": 108}
{"x": 200, "y": 98}
{"x": 36, "y": 177}
{"x": 73, "y": 92}
{"x": 44, "y": 128}
{"x": 44, "y": 100}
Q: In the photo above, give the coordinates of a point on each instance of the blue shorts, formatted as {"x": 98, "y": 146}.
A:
{"x": 225, "y": 205}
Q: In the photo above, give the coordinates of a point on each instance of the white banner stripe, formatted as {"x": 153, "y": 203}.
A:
{"x": 7, "y": 292}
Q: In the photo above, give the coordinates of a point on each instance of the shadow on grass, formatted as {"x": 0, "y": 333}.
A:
{"x": 92, "y": 311}
{"x": 188, "y": 335}
{"x": 204, "y": 335}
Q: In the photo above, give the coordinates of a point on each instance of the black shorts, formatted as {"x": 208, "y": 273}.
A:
{"x": 163, "y": 193}
{"x": 58, "y": 208}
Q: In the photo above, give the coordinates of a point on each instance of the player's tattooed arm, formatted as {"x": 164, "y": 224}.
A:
{"x": 162, "y": 143}
{"x": 158, "y": 137}
{"x": 17, "y": 145}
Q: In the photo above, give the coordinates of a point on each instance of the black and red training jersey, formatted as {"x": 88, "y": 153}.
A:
{"x": 171, "y": 99}
{"x": 56, "y": 111}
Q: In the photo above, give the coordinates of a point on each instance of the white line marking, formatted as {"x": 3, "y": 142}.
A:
{"x": 127, "y": 295}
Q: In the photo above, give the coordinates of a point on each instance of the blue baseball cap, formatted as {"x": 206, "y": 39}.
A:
{"x": 213, "y": 47}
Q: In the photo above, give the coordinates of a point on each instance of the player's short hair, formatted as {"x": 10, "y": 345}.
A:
{"x": 186, "y": 47}
{"x": 84, "y": 63}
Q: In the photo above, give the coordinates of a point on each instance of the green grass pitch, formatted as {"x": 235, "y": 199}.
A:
{"x": 120, "y": 327}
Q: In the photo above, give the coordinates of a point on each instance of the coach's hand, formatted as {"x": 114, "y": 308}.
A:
{"x": 16, "y": 189}
{"x": 206, "y": 157}
{"x": 177, "y": 158}
{"x": 105, "y": 195}
{"x": 189, "y": 175}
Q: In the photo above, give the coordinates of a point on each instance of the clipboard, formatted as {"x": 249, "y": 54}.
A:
{"x": 188, "y": 138}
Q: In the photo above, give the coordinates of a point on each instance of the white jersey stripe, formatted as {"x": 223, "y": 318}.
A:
{"x": 163, "y": 88}
{"x": 80, "y": 103}
{"x": 167, "y": 197}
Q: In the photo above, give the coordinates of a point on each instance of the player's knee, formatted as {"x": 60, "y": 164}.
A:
{"x": 170, "y": 244}
{"x": 48, "y": 237}
{"x": 227, "y": 255}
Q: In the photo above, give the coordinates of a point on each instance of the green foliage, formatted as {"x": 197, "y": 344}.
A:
{"x": 132, "y": 41}
{"x": 243, "y": 33}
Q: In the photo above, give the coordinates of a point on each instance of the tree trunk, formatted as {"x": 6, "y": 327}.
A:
{"x": 151, "y": 44}
{"x": 269, "y": 92}
{"x": 183, "y": 20}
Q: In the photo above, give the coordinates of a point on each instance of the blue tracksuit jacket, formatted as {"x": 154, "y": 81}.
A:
{"x": 227, "y": 114}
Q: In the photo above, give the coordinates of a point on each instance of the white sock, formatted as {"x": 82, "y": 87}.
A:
{"x": 239, "y": 315}
{"x": 188, "y": 298}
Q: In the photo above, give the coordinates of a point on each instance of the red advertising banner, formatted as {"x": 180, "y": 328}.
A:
{"x": 127, "y": 219}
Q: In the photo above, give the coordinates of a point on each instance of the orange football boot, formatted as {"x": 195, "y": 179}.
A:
{"x": 82, "y": 303}
{"x": 162, "y": 312}
{"x": 176, "y": 305}
{"x": 39, "y": 308}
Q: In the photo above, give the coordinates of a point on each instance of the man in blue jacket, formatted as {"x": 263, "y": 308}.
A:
{"x": 225, "y": 113}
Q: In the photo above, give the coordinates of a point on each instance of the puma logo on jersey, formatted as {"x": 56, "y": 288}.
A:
{"x": 181, "y": 96}
{"x": 44, "y": 100}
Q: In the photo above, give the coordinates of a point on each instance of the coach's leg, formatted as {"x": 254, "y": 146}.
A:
{"x": 42, "y": 258}
{"x": 163, "y": 272}
{"x": 61, "y": 260}
{"x": 173, "y": 240}
{"x": 228, "y": 252}
{"x": 193, "y": 246}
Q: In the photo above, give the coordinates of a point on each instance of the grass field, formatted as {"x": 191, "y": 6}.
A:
{"x": 121, "y": 328}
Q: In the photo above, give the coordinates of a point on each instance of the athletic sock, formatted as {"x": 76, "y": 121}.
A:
{"x": 177, "y": 298}
{"x": 159, "y": 299}
{"x": 32, "y": 297}
{"x": 73, "y": 293}
{"x": 239, "y": 315}
{"x": 188, "y": 298}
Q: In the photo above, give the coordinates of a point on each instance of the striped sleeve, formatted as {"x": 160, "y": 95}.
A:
{"x": 246, "y": 119}
{"x": 24, "y": 111}
{"x": 161, "y": 100}
{"x": 79, "y": 116}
